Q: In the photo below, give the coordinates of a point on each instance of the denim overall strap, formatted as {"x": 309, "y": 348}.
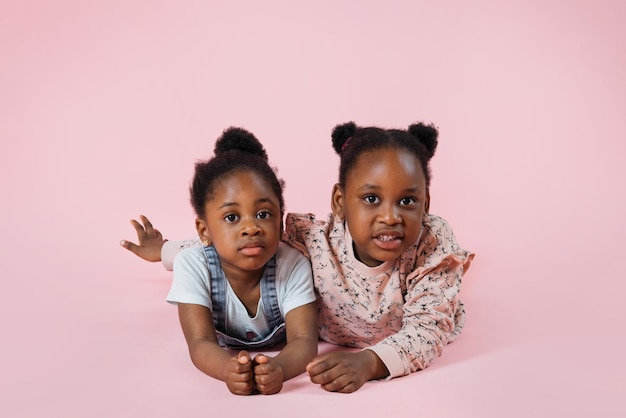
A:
{"x": 271, "y": 308}
{"x": 218, "y": 288}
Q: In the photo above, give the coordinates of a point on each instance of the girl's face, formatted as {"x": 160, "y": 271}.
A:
{"x": 242, "y": 220}
{"x": 383, "y": 204}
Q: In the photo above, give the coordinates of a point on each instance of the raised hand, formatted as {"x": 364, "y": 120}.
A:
{"x": 150, "y": 240}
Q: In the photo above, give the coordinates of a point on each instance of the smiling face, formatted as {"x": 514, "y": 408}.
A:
{"x": 242, "y": 220}
{"x": 383, "y": 203}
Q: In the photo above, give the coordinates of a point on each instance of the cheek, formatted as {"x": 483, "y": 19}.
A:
{"x": 414, "y": 219}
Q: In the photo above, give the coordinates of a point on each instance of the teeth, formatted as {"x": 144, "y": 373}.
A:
{"x": 386, "y": 238}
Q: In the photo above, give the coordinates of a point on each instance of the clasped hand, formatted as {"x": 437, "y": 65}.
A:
{"x": 244, "y": 375}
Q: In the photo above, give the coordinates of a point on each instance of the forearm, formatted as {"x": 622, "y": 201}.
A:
{"x": 296, "y": 355}
{"x": 209, "y": 358}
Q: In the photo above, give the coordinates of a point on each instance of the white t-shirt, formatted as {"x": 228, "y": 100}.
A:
{"x": 294, "y": 288}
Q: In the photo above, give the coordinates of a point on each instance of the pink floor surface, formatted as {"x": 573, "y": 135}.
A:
{"x": 106, "y": 105}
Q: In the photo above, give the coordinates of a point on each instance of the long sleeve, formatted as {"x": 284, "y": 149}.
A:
{"x": 433, "y": 313}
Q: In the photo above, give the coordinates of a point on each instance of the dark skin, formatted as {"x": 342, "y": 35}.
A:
{"x": 243, "y": 374}
{"x": 386, "y": 191}
{"x": 385, "y": 195}
{"x": 242, "y": 220}
{"x": 150, "y": 240}
{"x": 342, "y": 372}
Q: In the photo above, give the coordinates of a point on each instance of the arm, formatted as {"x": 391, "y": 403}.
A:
{"x": 433, "y": 313}
{"x": 207, "y": 355}
{"x": 432, "y": 317}
{"x": 301, "y": 347}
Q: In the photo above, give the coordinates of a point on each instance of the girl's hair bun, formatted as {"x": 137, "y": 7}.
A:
{"x": 341, "y": 134}
{"x": 238, "y": 139}
{"x": 427, "y": 135}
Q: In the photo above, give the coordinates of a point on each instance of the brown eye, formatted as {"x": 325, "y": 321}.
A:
{"x": 371, "y": 198}
{"x": 407, "y": 201}
{"x": 231, "y": 218}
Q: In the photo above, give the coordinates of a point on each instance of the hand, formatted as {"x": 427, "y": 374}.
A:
{"x": 150, "y": 241}
{"x": 268, "y": 375}
{"x": 238, "y": 374}
{"x": 343, "y": 371}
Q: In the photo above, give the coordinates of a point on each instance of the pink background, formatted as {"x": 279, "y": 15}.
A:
{"x": 105, "y": 106}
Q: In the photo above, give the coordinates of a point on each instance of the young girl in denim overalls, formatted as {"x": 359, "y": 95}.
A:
{"x": 243, "y": 289}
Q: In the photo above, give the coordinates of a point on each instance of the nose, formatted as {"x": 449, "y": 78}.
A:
{"x": 389, "y": 214}
{"x": 250, "y": 227}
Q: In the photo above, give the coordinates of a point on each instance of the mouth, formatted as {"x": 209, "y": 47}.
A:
{"x": 252, "y": 248}
{"x": 388, "y": 240}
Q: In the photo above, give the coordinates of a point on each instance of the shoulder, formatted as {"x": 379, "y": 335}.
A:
{"x": 438, "y": 242}
{"x": 191, "y": 253}
{"x": 307, "y": 224}
{"x": 303, "y": 221}
{"x": 294, "y": 278}
{"x": 190, "y": 259}
{"x": 438, "y": 226}
{"x": 289, "y": 258}
{"x": 287, "y": 254}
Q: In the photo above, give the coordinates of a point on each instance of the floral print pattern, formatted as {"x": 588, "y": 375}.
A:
{"x": 406, "y": 310}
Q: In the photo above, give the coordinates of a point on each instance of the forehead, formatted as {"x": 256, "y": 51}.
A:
{"x": 243, "y": 185}
{"x": 388, "y": 164}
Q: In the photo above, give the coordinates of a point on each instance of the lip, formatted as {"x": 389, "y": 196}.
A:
{"x": 252, "y": 248}
{"x": 388, "y": 240}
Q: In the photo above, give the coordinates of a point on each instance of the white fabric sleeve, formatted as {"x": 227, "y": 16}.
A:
{"x": 171, "y": 248}
{"x": 295, "y": 270}
{"x": 191, "y": 279}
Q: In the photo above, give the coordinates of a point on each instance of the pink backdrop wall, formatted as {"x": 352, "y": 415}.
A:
{"x": 105, "y": 106}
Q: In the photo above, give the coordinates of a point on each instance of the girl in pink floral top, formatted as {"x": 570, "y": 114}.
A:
{"x": 387, "y": 273}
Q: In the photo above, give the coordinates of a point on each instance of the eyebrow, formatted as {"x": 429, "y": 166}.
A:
{"x": 367, "y": 187}
{"x": 230, "y": 204}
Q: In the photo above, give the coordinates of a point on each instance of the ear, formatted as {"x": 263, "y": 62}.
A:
{"x": 427, "y": 202}
{"x": 203, "y": 232}
{"x": 336, "y": 201}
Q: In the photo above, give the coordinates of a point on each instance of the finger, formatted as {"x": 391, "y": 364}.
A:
{"x": 134, "y": 248}
{"x": 323, "y": 378}
{"x": 148, "y": 225}
{"x": 241, "y": 388}
{"x": 140, "y": 231}
{"x": 243, "y": 357}
{"x": 337, "y": 386}
{"x": 263, "y": 370}
{"x": 261, "y": 359}
{"x": 317, "y": 367}
{"x": 241, "y": 374}
{"x": 157, "y": 233}
{"x": 267, "y": 385}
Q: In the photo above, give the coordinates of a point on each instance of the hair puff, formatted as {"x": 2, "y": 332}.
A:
{"x": 427, "y": 135}
{"x": 341, "y": 134}
{"x": 238, "y": 139}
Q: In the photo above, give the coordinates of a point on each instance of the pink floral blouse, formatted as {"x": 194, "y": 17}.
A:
{"x": 405, "y": 310}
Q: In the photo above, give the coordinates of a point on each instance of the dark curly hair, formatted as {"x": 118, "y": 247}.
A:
{"x": 350, "y": 141}
{"x": 235, "y": 150}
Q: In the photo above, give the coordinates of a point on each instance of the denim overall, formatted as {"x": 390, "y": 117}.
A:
{"x": 271, "y": 310}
